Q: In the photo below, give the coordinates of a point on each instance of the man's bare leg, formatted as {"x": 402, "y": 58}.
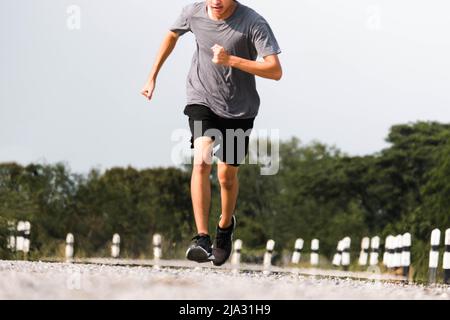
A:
{"x": 229, "y": 188}
{"x": 200, "y": 183}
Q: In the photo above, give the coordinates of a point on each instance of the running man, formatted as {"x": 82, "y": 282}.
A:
{"x": 221, "y": 95}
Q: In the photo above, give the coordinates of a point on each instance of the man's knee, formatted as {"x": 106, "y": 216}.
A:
{"x": 227, "y": 177}
{"x": 202, "y": 168}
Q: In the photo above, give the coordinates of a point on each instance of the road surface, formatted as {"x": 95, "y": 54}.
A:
{"x": 42, "y": 280}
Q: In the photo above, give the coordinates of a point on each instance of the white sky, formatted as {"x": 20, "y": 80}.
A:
{"x": 352, "y": 68}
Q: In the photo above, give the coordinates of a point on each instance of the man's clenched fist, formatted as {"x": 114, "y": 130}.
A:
{"x": 221, "y": 56}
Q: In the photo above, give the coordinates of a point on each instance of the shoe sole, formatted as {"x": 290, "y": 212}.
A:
{"x": 199, "y": 255}
{"x": 232, "y": 246}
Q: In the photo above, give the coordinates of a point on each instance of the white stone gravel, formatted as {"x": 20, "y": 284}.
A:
{"x": 40, "y": 280}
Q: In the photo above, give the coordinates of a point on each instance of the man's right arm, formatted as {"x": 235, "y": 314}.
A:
{"x": 169, "y": 42}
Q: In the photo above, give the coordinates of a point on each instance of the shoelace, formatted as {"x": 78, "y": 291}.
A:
{"x": 202, "y": 240}
{"x": 198, "y": 237}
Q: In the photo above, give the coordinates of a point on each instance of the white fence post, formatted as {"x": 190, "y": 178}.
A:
{"x": 314, "y": 252}
{"x": 115, "y": 247}
{"x": 268, "y": 254}
{"x": 297, "y": 251}
{"x": 337, "y": 258}
{"x": 434, "y": 255}
{"x": 157, "y": 251}
{"x": 69, "y": 247}
{"x": 406, "y": 253}
{"x": 375, "y": 247}
{"x": 236, "y": 257}
{"x": 20, "y": 234}
{"x": 364, "y": 254}
{"x": 386, "y": 251}
{"x": 26, "y": 238}
{"x": 390, "y": 245}
{"x": 446, "y": 260}
{"x": 11, "y": 244}
{"x": 346, "y": 253}
{"x": 392, "y": 252}
{"x": 398, "y": 251}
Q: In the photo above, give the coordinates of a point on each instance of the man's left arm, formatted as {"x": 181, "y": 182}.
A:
{"x": 270, "y": 68}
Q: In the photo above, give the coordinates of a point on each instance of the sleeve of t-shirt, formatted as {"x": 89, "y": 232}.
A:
{"x": 182, "y": 24}
{"x": 263, "y": 39}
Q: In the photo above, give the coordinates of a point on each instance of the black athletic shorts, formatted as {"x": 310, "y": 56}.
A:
{"x": 230, "y": 136}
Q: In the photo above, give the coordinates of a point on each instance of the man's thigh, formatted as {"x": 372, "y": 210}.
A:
{"x": 203, "y": 147}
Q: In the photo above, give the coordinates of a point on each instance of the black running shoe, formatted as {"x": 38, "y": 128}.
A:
{"x": 223, "y": 244}
{"x": 200, "y": 249}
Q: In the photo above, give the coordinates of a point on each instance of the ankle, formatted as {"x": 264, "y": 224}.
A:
{"x": 225, "y": 225}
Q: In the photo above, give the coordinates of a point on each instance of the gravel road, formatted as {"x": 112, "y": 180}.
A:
{"x": 41, "y": 280}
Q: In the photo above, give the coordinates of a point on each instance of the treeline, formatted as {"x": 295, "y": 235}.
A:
{"x": 319, "y": 192}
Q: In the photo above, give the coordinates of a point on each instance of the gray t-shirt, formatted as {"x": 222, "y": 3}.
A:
{"x": 228, "y": 92}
